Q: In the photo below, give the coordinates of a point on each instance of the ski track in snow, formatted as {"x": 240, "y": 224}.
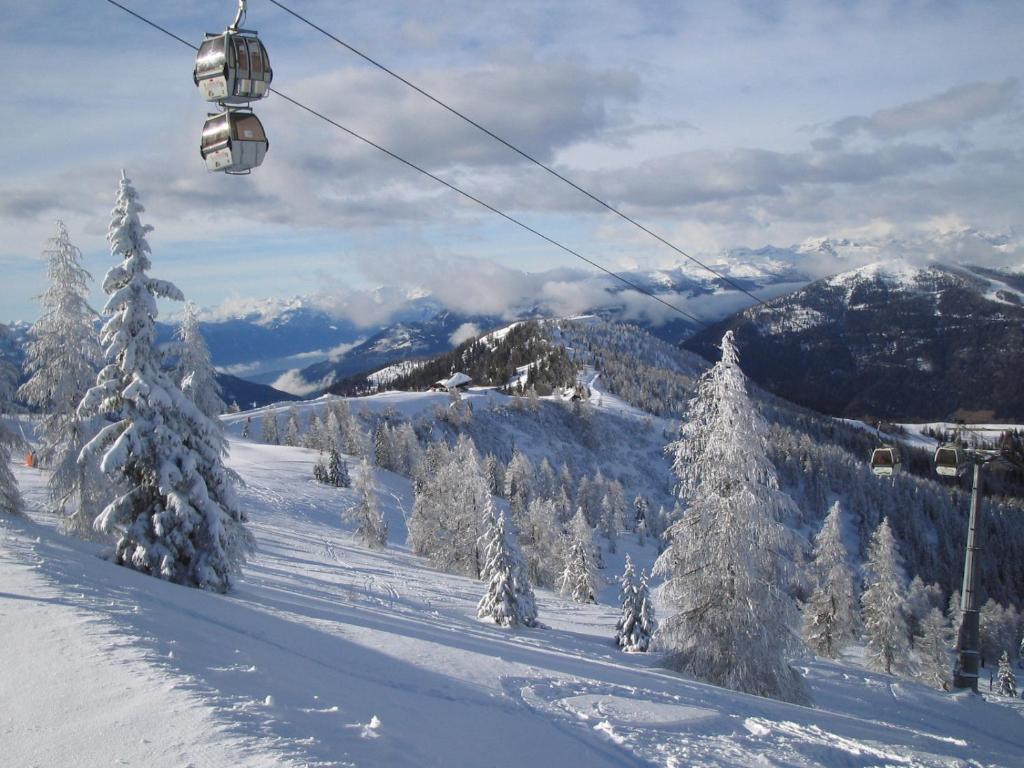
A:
{"x": 328, "y": 654}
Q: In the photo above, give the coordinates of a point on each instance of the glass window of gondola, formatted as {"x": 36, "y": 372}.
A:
{"x": 249, "y": 128}
{"x": 241, "y": 57}
{"x": 210, "y": 58}
{"x": 217, "y": 130}
{"x": 256, "y": 58}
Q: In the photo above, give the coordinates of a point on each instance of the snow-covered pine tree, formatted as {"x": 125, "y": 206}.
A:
{"x": 405, "y": 449}
{"x": 371, "y": 527}
{"x": 608, "y": 524}
{"x": 337, "y": 470}
{"x": 540, "y": 541}
{"x": 382, "y": 445}
{"x": 883, "y": 602}
{"x": 546, "y": 485}
{"x": 62, "y": 360}
{"x": 519, "y": 483}
{"x": 955, "y": 612}
{"x": 332, "y": 434}
{"x": 293, "y": 431}
{"x": 919, "y": 604}
{"x": 725, "y": 563}
{"x": 314, "y": 437}
{"x": 175, "y": 515}
{"x": 445, "y": 522}
{"x": 830, "y": 615}
{"x": 320, "y": 470}
{"x": 10, "y": 497}
{"x": 932, "y": 645}
{"x": 636, "y": 625}
{"x": 994, "y": 631}
{"x": 494, "y": 475}
{"x": 1007, "y": 680}
{"x": 194, "y": 372}
{"x": 639, "y": 512}
{"x": 509, "y": 600}
{"x": 268, "y": 428}
{"x": 579, "y": 577}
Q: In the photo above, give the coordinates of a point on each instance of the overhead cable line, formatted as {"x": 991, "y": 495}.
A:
{"x": 439, "y": 180}
{"x": 522, "y": 153}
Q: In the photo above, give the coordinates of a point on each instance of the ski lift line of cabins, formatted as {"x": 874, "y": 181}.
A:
{"x": 232, "y": 69}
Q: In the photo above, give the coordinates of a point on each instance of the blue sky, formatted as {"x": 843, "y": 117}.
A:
{"x": 719, "y": 124}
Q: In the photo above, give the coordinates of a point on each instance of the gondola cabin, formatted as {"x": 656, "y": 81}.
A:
{"x": 233, "y": 142}
{"x": 885, "y": 461}
{"x": 232, "y": 68}
{"x": 950, "y": 461}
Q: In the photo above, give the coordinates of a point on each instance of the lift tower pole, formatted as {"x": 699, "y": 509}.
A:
{"x": 969, "y": 640}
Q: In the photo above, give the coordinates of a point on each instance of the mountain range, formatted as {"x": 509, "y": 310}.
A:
{"x": 890, "y": 340}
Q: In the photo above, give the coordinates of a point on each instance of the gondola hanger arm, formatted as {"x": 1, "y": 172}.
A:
{"x": 240, "y": 16}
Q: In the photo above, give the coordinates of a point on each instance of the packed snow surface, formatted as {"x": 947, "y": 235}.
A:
{"x": 329, "y": 654}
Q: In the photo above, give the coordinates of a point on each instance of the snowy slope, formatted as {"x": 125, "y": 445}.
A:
{"x": 332, "y": 655}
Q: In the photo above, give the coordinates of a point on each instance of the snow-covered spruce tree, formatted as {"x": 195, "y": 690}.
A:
{"x": 445, "y": 522}
{"x": 636, "y": 625}
{"x": 955, "y": 612}
{"x": 10, "y": 497}
{"x": 579, "y": 577}
{"x": 314, "y": 437}
{"x": 337, "y": 470}
{"x": 996, "y": 633}
{"x": 883, "y": 601}
{"x": 830, "y": 614}
{"x": 519, "y": 483}
{"x": 608, "y": 524}
{"x": 494, "y": 474}
{"x": 382, "y": 445}
{"x": 194, "y": 373}
{"x": 268, "y": 428}
{"x": 725, "y": 565}
{"x": 639, "y": 513}
{"x": 546, "y": 484}
{"x": 1007, "y": 680}
{"x": 921, "y": 598}
{"x": 932, "y": 645}
{"x": 508, "y": 601}
{"x": 540, "y": 540}
{"x": 175, "y": 513}
{"x": 371, "y": 527}
{"x": 293, "y": 431}
{"x": 62, "y": 360}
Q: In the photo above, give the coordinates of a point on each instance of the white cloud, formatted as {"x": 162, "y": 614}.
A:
{"x": 293, "y": 383}
{"x": 464, "y": 332}
{"x": 953, "y": 109}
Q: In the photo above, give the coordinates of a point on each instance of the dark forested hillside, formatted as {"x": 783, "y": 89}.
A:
{"x": 491, "y": 360}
